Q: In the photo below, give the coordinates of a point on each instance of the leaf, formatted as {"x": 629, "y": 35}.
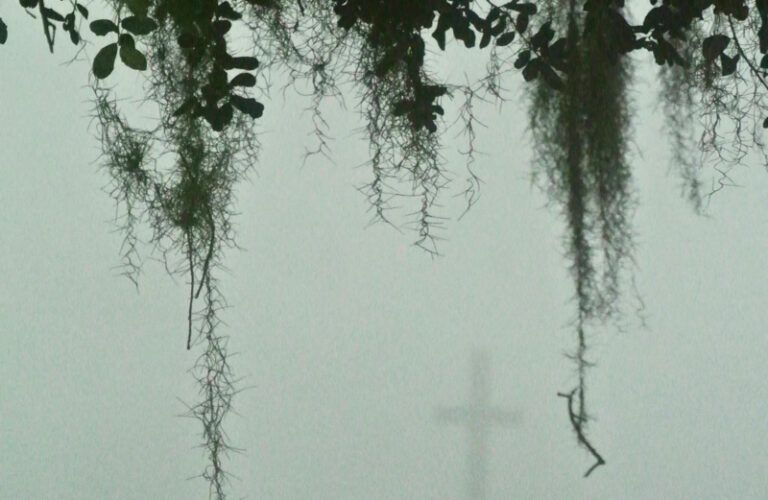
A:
{"x": 658, "y": 16}
{"x": 218, "y": 117}
{"x": 486, "y": 39}
{"x": 133, "y": 58}
{"x": 225, "y": 114}
{"x": 493, "y": 14}
{"x": 765, "y": 123}
{"x": 522, "y": 59}
{"x": 139, "y": 25}
{"x": 468, "y": 37}
{"x": 762, "y": 36}
{"x": 764, "y": 62}
{"x": 51, "y": 14}
{"x": 402, "y": 107}
{"x": 83, "y": 11}
{"x": 416, "y": 52}
{"x": 557, "y": 49}
{"x": 246, "y": 63}
{"x": 243, "y": 80}
{"x": 473, "y": 18}
{"x": 3, "y": 31}
{"x": 28, "y": 4}
{"x": 543, "y": 36}
{"x": 531, "y": 71}
{"x": 104, "y": 62}
{"x": 443, "y": 23}
{"x": 138, "y": 7}
{"x": 221, "y": 27}
{"x": 728, "y": 64}
{"x": 500, "y": 27}
{"x": 217, "y": 78}
{"x": 346, "y": 21}
{"x": 713, "y": 46}
{"x": 521, "y": 24}
{"x": 126, "y": 40}
{"x": 528, "y": 9}
{"x": 439, "y": 37}
{"x": 551, "y": 78}
{"x": 69, "y": 21}
{"x": 101, "y": 27}
{"x": 434, "y": 91}
{"x": 249, "y": 106}
{"x": 226, "y": 11}
{"x": 74, "y": 36}
{"x": 738, "y": 10}
{"x": 505, "y": 39}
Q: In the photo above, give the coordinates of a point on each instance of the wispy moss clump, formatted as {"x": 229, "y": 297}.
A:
{"x": 580, "y": 136}
{"x": 180, "y": 178}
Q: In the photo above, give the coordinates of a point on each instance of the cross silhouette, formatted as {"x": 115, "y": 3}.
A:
{"x": 478, "y": 416}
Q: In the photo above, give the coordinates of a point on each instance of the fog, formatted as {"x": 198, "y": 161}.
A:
{"x": 356, "y": 348}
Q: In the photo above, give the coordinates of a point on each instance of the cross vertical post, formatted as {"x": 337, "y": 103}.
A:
{"x": 478, "y": 416}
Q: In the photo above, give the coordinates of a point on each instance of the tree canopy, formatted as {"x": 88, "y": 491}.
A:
{"x": 713, "y": 64}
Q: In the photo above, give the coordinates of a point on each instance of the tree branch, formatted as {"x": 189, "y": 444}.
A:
{"x": 576, "y": 422}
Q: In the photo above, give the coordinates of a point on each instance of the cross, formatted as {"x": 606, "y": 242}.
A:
{"x": 478, "y": 416}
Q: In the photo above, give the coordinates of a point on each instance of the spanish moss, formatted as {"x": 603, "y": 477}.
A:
{"x": 580, "y": 136}
{"x": 187, "y": 198}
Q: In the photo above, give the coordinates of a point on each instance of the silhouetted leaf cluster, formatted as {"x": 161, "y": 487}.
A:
{"x": 51, "y": 18}
{"x": 396, "y": 27}
{"x": 202, "y": 26}
{"x": 135, "y": 25}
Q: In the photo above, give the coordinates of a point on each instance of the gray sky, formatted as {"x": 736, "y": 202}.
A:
{"x": 349, "y": 338}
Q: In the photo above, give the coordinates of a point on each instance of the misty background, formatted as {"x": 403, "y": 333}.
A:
{"x": 349, "y": 340}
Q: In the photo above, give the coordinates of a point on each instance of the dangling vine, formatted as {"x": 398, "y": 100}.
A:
{"x": 677, "y": 95}
{"x": 187, "y": 203}
{"x": 580, "y": 134}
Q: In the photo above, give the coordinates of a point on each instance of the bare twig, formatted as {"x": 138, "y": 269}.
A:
{"x": 576, "y": 422}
